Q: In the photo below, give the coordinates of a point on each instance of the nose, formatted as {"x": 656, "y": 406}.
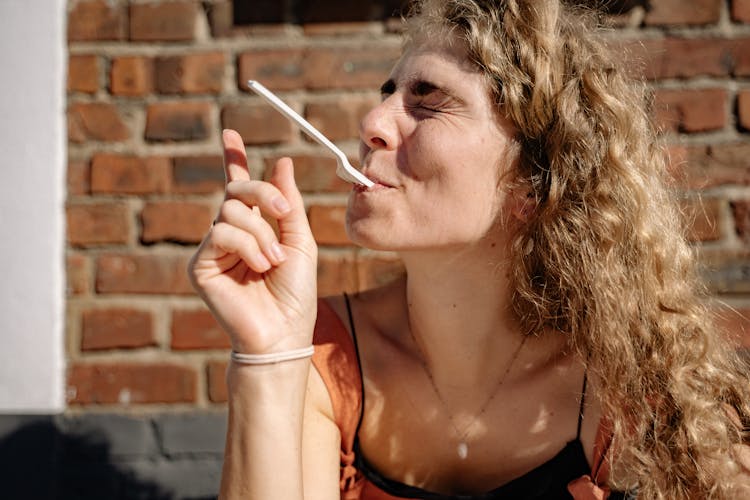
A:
{"x": 378, "y": 129}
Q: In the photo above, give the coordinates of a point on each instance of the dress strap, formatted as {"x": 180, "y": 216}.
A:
{"x": 581, "y": 407}
{"x": 359, "y": 360}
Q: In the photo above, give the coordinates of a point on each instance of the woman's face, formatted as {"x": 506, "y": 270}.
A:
{"x": 437, "y": 151}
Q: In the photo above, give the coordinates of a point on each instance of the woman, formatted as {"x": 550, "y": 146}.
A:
{"x": 547, "y": 340}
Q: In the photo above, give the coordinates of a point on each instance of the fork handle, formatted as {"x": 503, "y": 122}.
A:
{"x": 285, "y": 110}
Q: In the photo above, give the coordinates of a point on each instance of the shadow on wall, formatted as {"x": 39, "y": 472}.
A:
{"x": 45, "y": 457}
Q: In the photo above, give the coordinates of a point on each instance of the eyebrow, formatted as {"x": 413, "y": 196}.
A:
{"x": 420, "y": 88}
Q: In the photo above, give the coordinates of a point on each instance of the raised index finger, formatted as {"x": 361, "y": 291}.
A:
{"x": 235, "y": 157}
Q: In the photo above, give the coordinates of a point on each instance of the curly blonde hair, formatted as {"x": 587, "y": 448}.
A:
{"x": 603, "y": 258}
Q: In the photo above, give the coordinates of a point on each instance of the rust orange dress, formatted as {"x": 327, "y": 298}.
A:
{"x": 567, "y": 475}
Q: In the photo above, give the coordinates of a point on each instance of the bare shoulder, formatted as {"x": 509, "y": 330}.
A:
{"x": 367, "y": 309}
{"x": 371, "y": 309}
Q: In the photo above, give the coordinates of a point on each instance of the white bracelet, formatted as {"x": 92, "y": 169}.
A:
{"x": 273, "y": 357}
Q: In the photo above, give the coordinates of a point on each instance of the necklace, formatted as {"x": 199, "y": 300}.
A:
{"x": 463, "y": 446}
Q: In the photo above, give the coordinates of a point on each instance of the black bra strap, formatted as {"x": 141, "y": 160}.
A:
{"x": 581, "y": 407}
{"x": 359, "y": 360}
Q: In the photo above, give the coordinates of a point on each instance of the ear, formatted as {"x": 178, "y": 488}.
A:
{"x": 523, "y": 203}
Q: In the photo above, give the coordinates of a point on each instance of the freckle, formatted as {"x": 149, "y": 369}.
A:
{"x": 454, "y": 306}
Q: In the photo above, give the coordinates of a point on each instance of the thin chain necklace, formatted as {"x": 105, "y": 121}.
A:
{"x": 463, "y": 446}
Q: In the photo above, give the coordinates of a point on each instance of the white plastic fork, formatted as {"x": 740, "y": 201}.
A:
{"x": 344, "y": 169}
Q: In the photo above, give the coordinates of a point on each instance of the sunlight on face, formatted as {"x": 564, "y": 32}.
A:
{"x": 437, "y": 151}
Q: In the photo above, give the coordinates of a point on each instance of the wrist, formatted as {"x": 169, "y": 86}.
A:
{"x": 272, "y": 357}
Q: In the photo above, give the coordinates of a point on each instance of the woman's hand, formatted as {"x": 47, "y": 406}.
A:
{"x": 262, "y": 289}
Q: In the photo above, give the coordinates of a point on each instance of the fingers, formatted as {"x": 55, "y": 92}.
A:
{"x": 235, "y": 157}
{"x": 280, "y": 198}
{"x": 263, "y": 195}
{"x": 233, "y": 240}
{"x": 294, "y": 224}
{"x": 240, "y": 229}
{"x": 235, "y": 214}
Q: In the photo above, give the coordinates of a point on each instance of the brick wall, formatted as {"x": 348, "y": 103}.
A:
{"x": 152, "y": 83}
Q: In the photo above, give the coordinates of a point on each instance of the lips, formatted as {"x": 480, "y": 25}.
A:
{"x": 379, "y": 181}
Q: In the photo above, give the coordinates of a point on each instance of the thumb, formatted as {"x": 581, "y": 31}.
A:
{"x": 293, "y": 225}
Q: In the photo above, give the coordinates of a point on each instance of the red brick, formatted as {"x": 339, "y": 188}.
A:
{"x": 349, "y": 68}
{"x": 258, "y": 123}
{"x": 734, "y": 323}
{"x": 277, "y": 69}
{"x": 339, "y": 118}
{"x": 178, "y": 221}
{"x": 375, "y": 271}
{"x": 741, "y": 11}
{"x": 702, "y": 218}
{"x": 337, "y": 273}
{"x": 328, "y": 224}
{"x": 131, "y": 383}
{"x": 96, "y": 20}
{"x": 78, "y": 274}
{"x": 131, "y": 76}
{"x": 313, "y": 173}
{"x": 217, "y": 381}
{"x": 78, "y": 178}
{"x": 198, "y": 174}
{"x": 178, "y": 121}
{"x": 743, "y": 109}
{"x": 191, "y": 74}
{"x": 126, "y": 174}
{"x": 197, "y": 329}
{"x": 116, "y": 328}
{"x": 221, "y": 18}
{"x": 96, "y": 121}
{"x": 98, "y": 224}
{"x": 741, "y": 213}
{"x": 147, "y": 274}
{"x": 692, "y": 111}
{"x": 683, "y": 57}
{"x": 677, "y": 12}
{"x": 164, "y": 21}
{"x": 717, "y": 165}
{"x": 83, "y": 74}
{"x": 741, "y": 56}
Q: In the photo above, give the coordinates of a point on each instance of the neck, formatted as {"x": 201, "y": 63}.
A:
{"x": 459, "y": 314}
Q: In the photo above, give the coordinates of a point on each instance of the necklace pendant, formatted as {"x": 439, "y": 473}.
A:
{"x": 463, "y": 450}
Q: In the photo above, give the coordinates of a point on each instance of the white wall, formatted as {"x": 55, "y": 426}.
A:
{"x": 32, "y": 163}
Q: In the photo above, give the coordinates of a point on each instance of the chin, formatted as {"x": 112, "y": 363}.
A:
{"x": 365, "y": 235}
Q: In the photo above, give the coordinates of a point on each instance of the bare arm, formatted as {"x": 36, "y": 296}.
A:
{"x": 321, "y": 443}
{"x": 263, "y": 456}
{"x": 261, "y": 287}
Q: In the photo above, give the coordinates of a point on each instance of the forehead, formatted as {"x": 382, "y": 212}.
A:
{"x": 441, "y": 61}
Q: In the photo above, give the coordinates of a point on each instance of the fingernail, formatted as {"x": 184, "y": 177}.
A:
{"x": 278, "y": 253}
{"x": 281, "y": 204}
{"x": 262, "y": 262}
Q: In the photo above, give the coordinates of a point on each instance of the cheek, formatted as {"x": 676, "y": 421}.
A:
{"x": 466, "y": 207}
